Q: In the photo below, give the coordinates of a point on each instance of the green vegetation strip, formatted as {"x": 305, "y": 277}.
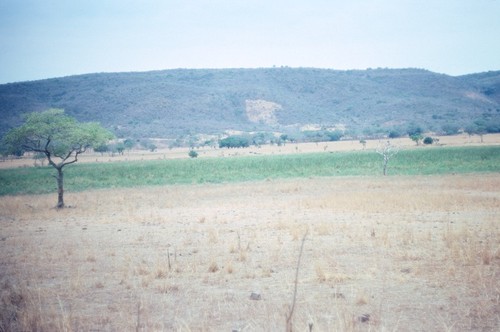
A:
{"x": 79, "y": 177}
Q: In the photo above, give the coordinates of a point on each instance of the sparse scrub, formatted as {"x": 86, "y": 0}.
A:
{"x": 213, "y": 236}
{"x": 361, "y": 298}
{"x": 321, "y": 274}
{"x": 229, "y": 267}
{"x": 242, "y": 255}
{"x": 213, "y": 267}
{"x": 434, "y": 254}
{"x": 161, "y": 273}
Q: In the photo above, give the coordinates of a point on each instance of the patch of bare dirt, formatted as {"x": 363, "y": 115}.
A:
{"x": 262, "y": 111}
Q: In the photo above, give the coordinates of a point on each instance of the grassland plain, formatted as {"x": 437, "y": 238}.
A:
{"x": 395, "y": 253}
{"x": 128, "y": 174}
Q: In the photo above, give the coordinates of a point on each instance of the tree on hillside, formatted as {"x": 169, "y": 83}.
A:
{"x": 478, "y": 127}
{"x": 449, "y": 129}
{"x": 129, "y": 144}
{"x": 414, "y": 129}
{"x": 59, "y": 137}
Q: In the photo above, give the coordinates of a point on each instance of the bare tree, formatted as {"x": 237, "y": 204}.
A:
{"x": 363, "y": 142}
{"x": 387, "y": 151}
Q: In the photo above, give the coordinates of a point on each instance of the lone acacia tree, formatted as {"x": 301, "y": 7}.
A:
{"x": 59, "y": 137}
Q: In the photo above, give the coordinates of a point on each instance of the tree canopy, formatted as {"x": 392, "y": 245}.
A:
{"x": 59, "y": 137}
{"x": 56, "y": 135}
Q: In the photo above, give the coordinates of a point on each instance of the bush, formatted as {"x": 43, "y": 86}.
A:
{"x": 115, "y": 148}
{"x": 262, "y": 138}
{"x": 193, "y": 154}
{"x": 395, "y": 133}
{"x": 322, "y": 135}
{"x": 234, "y": 142}
{"x": 335, "y": 135}
{"x": 101, "y": 149}
{"x": 129, "y": 143}
{"x": 414, "y": 130}
{"x": 449, "y": 129}
{"x": 428, "y": 140}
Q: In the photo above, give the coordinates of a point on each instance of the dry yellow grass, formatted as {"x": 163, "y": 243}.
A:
{"x": 413, "y": 253}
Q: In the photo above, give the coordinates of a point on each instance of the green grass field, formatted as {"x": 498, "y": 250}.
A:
{"x": 80, "y": 177}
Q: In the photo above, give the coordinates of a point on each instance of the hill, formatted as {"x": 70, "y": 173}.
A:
{"x": 185, "y": 102}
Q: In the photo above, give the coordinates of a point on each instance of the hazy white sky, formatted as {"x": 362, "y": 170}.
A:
{"x": 52, "y": 38}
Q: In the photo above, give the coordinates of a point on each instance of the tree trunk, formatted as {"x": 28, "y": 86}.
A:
{"x": 386, "y": 161}
{"x": 60, "y": 188}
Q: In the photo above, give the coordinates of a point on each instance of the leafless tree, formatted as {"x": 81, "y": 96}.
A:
{"x": 387, "y": 150}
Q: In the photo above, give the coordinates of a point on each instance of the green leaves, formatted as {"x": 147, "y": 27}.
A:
{"x": 56, "y": 134}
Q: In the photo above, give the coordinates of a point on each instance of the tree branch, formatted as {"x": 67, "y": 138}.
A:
{"x": 77, "y": 151}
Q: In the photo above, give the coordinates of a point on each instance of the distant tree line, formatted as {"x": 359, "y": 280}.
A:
{"x": 261, "y": 138}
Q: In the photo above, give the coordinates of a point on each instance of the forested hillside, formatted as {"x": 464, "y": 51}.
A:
{"x": 173, "y": 103}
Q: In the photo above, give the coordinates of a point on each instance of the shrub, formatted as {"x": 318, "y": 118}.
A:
{"x": 193, "y": 154}
{"x": 414, "y": 130}
{"x": 101, "y": 148}
{"x": 262, "y": 138}
{"x": 428, "y": 140}
{"x": 335, "y": 135}
{"x": 114, "y": 148}
{"x": 129, "y": 143}
{"x": 322, "y": 135}
{"x": 394, "y": 134}
{"x": 449, "y": 129}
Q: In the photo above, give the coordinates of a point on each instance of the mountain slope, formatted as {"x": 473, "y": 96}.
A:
{"x": 171, "y": 103}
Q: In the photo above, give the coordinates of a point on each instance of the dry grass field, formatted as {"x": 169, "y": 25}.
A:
{"x": 381, "y": 254}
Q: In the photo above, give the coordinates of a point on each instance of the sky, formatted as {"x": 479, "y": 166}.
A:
{"x": 53, "y": 38}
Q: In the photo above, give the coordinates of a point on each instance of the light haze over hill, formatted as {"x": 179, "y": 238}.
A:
{"x": 175, "y": 103}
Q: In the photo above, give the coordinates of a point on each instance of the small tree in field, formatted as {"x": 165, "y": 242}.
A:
{"x": 59, "y": 137}
{"x": 387, "y": 151}
{"x": 416, "y": 138}
{"x": 477, "y": 128}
